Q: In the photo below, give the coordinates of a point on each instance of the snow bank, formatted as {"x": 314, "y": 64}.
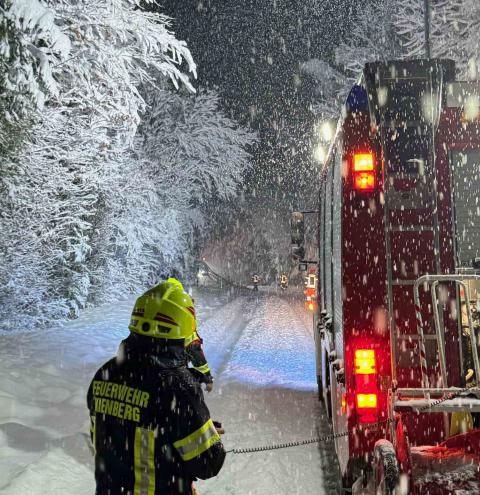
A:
{"x": 56, "y": 472}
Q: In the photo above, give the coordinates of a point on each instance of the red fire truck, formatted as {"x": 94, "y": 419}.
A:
{"x": 397, "y": 338}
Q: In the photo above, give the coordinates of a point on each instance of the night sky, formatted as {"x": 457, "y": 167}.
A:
{"x": 250, "y": 51}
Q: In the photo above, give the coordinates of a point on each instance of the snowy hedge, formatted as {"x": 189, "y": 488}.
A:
{"x": 93, "y": 206}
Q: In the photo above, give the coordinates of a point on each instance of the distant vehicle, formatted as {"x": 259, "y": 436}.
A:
{"x": 395, "y": 331}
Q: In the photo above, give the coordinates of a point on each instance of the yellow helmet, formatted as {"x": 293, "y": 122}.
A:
{"x": 164, "y": 312}
{"x": 176, "y": 282}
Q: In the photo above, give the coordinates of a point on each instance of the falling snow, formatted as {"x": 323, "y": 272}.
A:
{"x": 141, "y": 140}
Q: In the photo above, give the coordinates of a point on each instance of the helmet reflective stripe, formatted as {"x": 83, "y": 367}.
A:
{"x": 164, "y": 318}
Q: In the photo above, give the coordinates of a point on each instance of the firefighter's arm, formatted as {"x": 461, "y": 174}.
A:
{"x": 197, "y": 357}
{"x": 198, "y": 443}
{"x": 199, "y": 361}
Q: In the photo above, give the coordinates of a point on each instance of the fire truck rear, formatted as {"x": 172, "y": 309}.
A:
{"x": 398, "y": 277}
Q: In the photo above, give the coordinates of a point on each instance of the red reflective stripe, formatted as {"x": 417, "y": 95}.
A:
{"x": 164, "y": 318}
{"x": 192, "y": 310}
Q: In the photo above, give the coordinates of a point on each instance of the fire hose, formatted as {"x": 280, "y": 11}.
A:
{"x": 323, "y": 438}
{"x": 333, "y": 436}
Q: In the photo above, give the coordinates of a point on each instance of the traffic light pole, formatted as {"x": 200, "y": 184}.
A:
{"x": 309, "y": 262}
{"x": 298, "y": 237}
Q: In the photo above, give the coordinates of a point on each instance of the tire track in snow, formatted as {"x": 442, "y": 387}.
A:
{"x": 221, "y": 334}
{"x": 266, "y": 395}
{"x": 275, "y": 348}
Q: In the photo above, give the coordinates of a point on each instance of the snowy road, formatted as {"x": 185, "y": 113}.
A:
{"x": 260, "y": 348}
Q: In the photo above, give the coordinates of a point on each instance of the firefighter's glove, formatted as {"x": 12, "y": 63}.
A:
{"x": 219, "y": 427}
{"x": 208, "y": 380}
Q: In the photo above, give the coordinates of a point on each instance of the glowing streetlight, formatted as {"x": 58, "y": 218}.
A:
{"x": 320, "y": 153}
{"x": 326, "y": 131}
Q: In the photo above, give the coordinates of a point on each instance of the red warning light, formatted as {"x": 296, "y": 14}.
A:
{"x": 362, "y": 162}
{"x": 363, "y": 172}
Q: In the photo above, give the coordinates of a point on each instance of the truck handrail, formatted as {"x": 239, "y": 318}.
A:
{"x": 435, "y": 280}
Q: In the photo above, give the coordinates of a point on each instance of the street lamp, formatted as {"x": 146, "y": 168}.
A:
{"x": 326, "y": 131}
{"x": 320, "y": 153}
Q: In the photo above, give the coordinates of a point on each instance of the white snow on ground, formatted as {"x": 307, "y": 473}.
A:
{"x": 261, "y": 350}
{"x": 265, "y": 394}
{"x": 275, "y": 348}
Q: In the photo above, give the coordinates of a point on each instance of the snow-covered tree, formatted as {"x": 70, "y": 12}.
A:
{"x": 330, "y": 86}
{"x": 54, "y": 190}
{"x": 95, "y": 207}
{"x": 30, "y": 44}
{"x": 373, "y": 37}
{"x": 454, "y": 31}
{"x": 187, "y": 154}
{"x": 192, "y": 143}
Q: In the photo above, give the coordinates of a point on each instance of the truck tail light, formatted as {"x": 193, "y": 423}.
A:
{"x": 364, "y": 172}
{"x": 367, "y": 408}
{"x": 366, "y": 388}
{"x": 366, "y": 401}
{"x": 365, "y": 363}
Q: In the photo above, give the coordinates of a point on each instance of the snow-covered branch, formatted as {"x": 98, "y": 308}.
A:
{"x": 95, "y": 209}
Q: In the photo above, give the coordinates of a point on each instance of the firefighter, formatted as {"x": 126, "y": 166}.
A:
{"x": 255, "y": 281}
{"x": 284, "y": 281}
{"x": 194, "y": 350}
{"x": 150, "y": 427}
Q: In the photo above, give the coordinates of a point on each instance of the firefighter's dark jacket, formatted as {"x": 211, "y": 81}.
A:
{"x": 151, "y": 429}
